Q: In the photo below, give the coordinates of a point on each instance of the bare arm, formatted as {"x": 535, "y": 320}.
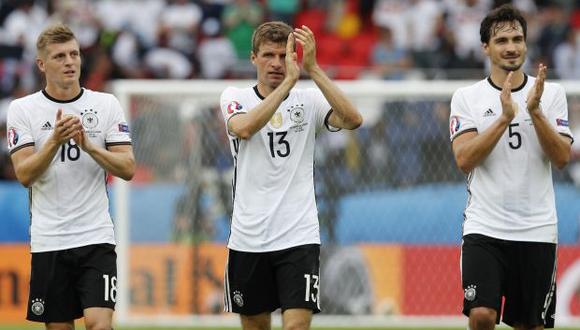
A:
{"x": 117, "y": 160}
{"x": 471, "y": 148}
{"x": 345, "y": 115}
{"x": 555, "y": 146}
{"x": 30, "y": 165}
{"x": 245, "y": 125}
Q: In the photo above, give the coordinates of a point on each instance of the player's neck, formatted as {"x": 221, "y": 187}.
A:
{"x": 264, "y": 90}
{"x": 499, "y": 75}
{"x": 63, "y": 93}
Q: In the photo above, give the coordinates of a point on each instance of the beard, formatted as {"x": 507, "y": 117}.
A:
{"x": 511, "y": 66}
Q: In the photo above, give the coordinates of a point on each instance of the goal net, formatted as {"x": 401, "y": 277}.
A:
{"x": 389, "y": 195}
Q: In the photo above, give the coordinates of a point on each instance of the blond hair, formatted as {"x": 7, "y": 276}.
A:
{"x": 276, "y": 32}
{"x": 55, "y": 34}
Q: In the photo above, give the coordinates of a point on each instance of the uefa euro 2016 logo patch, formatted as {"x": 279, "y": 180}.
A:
{"x": 454, "y": 125}
{"x": 12, "y": 137}
{"x": 234, "y": 106}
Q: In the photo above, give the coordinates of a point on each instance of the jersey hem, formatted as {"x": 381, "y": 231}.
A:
{"x": 516, "y": 238}
{"x": 72, "y": 246}
{"x": 272, "y": 249}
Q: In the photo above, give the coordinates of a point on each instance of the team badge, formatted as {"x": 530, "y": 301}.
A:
{"x": 12, "y": 137}
{"x": 234, "y": 106}
{"x": 297, "y": 115}
{"x": 470, "y": 293}
{"x": 454, "y": 125}
{"x": 37, "y": 306}
{"x": 276, "y": 120}
{"x": 89, "y": 119}
{"x": 238, "y": 298}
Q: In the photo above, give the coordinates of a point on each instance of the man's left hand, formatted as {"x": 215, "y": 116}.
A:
{"x": 535, "y": 93}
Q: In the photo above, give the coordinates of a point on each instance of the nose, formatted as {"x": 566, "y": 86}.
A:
{"x": 277, "y": 61}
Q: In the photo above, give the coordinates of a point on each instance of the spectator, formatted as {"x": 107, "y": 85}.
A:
{"x": 388, "y": 60}
{"x": 567, "y": 56}
{"x": 181, "y": 20}
{"x": 216, "y": 53}
{"x": 239, "y": 19}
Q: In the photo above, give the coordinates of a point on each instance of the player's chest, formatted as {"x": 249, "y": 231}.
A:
{"x": 92, "y": 120}
{"x": 293, "y": 118}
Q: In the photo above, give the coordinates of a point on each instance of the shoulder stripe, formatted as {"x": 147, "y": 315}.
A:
{"x": 464, "y": 131}
{"x": 30, "y": 144}
{"x": 125, "y": 143}
{"x": 568, "y": 136}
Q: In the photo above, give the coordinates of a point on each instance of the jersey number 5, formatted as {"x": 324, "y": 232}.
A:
{"x": 284, "y": 147}
{"x": 513, "y": 134}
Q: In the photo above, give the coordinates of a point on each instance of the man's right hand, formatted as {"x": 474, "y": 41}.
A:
{"x": 66, "y": 127}
{"x": 292, "y": 67}
{"x": 509, "y": 107}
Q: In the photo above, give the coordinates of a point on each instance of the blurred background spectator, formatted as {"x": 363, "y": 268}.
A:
{"x": 357, "y": 39}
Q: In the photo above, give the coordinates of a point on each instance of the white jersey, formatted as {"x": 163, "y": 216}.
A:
{"x": 511, "y": 194}
{"x": 274, "y": 205}
{"x": 69, "y": 205}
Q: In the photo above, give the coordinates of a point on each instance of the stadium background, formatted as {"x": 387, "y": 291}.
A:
{"x": 389, "y": 195}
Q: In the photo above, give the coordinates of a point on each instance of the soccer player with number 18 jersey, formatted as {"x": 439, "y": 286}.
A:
{"x": 63, "y": 140}
{"x": 506, "y": 132}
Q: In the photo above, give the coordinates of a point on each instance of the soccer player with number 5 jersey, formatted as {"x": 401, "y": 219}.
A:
{"x": 507, "y": 131}
{"x": 63, "y": 140}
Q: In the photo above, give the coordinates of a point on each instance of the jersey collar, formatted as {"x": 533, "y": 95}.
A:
{"x": 517, "y": 89}
{"x": 260, "y": 96}
{"x": 63, "y": 101}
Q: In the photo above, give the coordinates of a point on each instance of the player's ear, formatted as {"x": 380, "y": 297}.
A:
{"x": 253, "y": 57}
{"x": 485, "y": 48}
{"x": 40, "y": 64}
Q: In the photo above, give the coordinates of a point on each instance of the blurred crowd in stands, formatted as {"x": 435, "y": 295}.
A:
{"x": 357, "y": 39}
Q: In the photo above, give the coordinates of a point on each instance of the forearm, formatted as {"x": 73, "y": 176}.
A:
{"x": 342, "y": 106}
{"x": 471, "y": 153}
{"x": 30, "y": 169}
{"x": 119, "y": 164}
{"x": 246, "y": 125}
{"x": 555, "y": 146}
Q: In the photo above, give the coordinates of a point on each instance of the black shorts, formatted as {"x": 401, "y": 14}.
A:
{"x": 63, "y": 283}
{"x": 524, "y": 273}
{"x": 263, "y": 282}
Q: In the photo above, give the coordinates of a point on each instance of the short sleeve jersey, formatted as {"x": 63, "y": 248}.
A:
{"x": 274, "y": 205}
{"x": 511, "y": 193}
{"x": 69, "y": 205}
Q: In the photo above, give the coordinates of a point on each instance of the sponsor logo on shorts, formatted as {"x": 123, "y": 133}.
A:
{"x": 239, "y": 298}
{"x": 37, "y": 306}
{"x": 470, "y": 293}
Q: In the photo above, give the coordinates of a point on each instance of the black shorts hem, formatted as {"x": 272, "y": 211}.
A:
{"x": 314, "y": 310}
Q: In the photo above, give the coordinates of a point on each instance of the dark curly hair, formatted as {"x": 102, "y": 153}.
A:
{"x": 497, "y": 19}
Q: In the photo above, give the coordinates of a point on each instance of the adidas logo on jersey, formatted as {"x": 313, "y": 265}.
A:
{"x": 46, "y": 127}
{"x": 489, "y": 113}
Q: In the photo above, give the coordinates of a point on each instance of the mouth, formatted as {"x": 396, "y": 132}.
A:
{"x": 276, "y": 74}
{"x": 70, "y": 72}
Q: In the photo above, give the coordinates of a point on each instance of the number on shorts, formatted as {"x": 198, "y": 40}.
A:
{"x": 110, "y": 287}
{"x": 311, "y": 294}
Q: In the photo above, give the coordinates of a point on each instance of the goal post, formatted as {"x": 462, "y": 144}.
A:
{"x": 389, "y": 195}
